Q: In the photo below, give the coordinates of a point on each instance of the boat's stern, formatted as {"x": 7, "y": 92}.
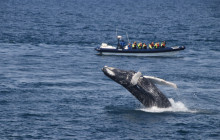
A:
{"x": 97, "y": 48}
{"x": 105, "y": 47}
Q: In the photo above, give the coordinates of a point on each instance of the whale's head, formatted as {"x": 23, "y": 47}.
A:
{"x": 125, "y": 78}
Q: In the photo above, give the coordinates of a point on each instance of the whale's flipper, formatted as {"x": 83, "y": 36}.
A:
{"x": 159, "y": 81}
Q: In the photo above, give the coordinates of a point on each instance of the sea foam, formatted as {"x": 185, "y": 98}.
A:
{"x": 175, "y": 107}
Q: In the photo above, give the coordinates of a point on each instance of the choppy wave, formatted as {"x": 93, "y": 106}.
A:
{"x": 51, "y": 83}
{"x": 175, "y": 107}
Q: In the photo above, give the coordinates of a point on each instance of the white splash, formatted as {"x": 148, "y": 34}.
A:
{"x": 175, "y": 107}
{"x": 135, "y": 78}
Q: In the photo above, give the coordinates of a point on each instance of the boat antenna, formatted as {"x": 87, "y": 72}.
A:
{"x": 117, "y": 38}
{"x": 127, "y": 37}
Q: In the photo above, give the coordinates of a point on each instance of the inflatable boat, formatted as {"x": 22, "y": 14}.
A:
{"x": 127, "y": 50}
{"x": 105, "y": 49}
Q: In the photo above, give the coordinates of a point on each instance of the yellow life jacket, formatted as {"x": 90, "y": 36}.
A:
{"x": 156, "y": 45}
{"x": 140, "y": 45}
{"x": 134, "y": 45}
{"x": 162, "y": 44}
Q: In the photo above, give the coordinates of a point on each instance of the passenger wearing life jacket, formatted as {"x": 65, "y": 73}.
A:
{"x": 157, "y": 45}
{"x": 144, "y": 46}
{"x": 163, "y": 44}
{"x": 129, "y": 46}
{"x": 140, "y": 46}
{"x": 151, "y": 45}
{"x": 134, "y": 45}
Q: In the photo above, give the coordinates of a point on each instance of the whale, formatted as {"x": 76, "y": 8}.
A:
{"x": 143, "y": 88}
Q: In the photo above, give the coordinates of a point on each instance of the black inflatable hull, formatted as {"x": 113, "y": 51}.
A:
{"x": 141, "y": 52}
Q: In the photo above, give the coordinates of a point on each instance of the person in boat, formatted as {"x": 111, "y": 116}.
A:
{"x": 134, "y": 45}
{"x": 151, "y": 45}
{"x": 140, "y": 45}
{"x": 129, "y": 46}
{"x": 144, "y": 46}
{"x": 157, "y": 45}
{"x": 122, "y": 44}
{"x": 163, "y": 44}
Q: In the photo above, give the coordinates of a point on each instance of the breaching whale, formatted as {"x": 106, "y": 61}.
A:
{"x": 142, "y": 87}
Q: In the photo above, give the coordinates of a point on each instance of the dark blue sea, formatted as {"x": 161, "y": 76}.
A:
{"x": 52, "y": 86}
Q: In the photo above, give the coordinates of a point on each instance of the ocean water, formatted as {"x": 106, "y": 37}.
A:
{"x": 52, "y": 86}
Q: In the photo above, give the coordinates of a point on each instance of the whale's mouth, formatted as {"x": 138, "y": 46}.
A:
{"x": 108, "y": 70}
